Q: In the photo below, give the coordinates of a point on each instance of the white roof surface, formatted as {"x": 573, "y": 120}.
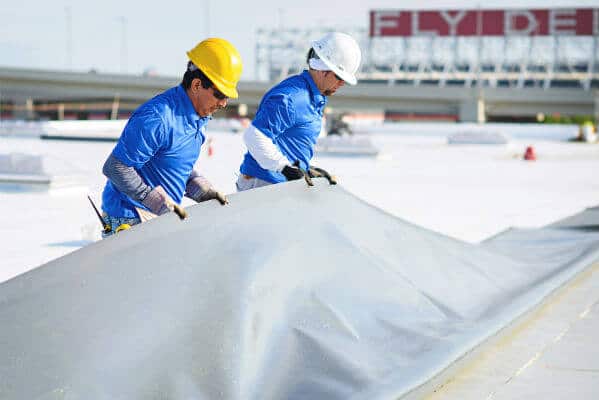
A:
{"x": 467, "y": 192}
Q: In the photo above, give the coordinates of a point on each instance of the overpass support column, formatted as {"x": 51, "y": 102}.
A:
{"x": 61, "y": 111}
{"x": 596, "y": 101}
{"x": 23, "y": 108}
{"x": 472, "y": 110}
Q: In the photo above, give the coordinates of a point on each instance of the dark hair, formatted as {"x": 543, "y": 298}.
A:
{"x": 191, "y": 73}
{"x": 311, "y": 54}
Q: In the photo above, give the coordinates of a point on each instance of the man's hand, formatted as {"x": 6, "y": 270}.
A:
{"x": 158, "y": 201}
{"x": 292, "y": 173}
{"x": 295, "y": 172}
{"x": 199, "y": 189}
{"x": 213, "y": 194}
{"x": 316, "y": 172}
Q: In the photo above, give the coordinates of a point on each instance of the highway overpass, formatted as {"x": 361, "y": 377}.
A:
{"x": 27, "y": 91}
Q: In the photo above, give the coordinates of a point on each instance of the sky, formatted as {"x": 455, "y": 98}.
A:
{"x": 133, "y": 37}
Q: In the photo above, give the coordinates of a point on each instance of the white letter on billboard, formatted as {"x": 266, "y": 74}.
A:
{"x": 510, "y": 25}
{"x": 380, "y": 23}
{"x": 416, "y": 28}
{"x": 562, "y": 22}
{"x": 453, "y": 22}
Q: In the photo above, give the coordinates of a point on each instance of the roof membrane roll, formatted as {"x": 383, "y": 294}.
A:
{"x": 288, "y": 292}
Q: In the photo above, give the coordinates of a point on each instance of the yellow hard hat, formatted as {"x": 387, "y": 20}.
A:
{"x": 220, "y": 61}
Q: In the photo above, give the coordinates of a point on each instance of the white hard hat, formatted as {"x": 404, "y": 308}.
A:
{"x": 341, "y": 53}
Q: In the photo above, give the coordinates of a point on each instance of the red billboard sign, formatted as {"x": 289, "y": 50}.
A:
{"x": 538, "y": 22}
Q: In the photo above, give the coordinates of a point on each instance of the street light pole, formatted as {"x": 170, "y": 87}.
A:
{"x": 207, "y": 13}
{"x": 123, "y": 22}
{"x": 69, "y": 38}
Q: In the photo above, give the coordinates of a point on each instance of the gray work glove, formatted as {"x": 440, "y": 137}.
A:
{"x": 158, "y": 201}
{"x": 199, "y": 189}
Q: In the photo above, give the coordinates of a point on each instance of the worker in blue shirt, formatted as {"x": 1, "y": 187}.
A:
{"x": 151, "y": 167}
{"x": 281, "y": 138}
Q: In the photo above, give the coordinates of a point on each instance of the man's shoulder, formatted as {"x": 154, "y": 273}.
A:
{"x": 166, "y": 98}
{"x": 294, "y": 81}
{"x": 160, "y": 104}
{"x": 292, "y": 86}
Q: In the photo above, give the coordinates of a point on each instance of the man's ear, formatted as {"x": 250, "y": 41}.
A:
{"x": 197, "y": 84}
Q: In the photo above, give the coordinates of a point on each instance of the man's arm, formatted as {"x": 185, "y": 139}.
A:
{"x": 268, "y": 156}
{"x": 264, "y": 151}
{"x": 129, "y": 182}
{"x": 274, "y": 117}
{"x": 126, "y": 179}
{"x": 200, "y": 189}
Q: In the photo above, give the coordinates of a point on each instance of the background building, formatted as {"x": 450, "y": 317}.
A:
{"x": 527, "y": 65}
{"x": 515, "y": 48}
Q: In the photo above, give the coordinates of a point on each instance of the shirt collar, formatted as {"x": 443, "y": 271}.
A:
{"x": 317, "y": 97}
{"x": 190, "y": 112}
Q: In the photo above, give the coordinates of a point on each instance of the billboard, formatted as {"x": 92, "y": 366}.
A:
{"x": 521, "y": 22}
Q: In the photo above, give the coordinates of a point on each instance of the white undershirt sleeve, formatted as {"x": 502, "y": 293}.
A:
{"x": 264, "y": 151}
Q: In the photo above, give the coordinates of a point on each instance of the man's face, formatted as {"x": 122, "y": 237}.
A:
{"x": 331, "y": 83}
{"x": 206, "y": 101}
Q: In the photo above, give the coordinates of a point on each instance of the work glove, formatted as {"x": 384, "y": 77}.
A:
{"x": 294, "y": 172}
{"x": 158, "y": 201}
{"x": 316, "y": 172}
{"x": 199, "y": 189}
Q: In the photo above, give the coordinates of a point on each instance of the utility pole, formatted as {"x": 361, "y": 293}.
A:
{"x": 207, "y": 14}
{"x": 69, "y": 38}
{"x": 123, "y": 22}
{"x": 280, "y": 18}
{"x": 479, "y": 50}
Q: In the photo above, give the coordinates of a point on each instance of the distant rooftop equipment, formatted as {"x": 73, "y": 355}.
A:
{"x": 349, "y": 146}
{"x": 102, "y": 131}
{"x": 25, "y": 171}
{"x": 588, "y": 134}
{"x": 22, "y": 168}
{"x": 226, "y": 125}
{"x": 529, "y": 154}
{"x": 110, "y": 130}
{"x": 479, "y": 136}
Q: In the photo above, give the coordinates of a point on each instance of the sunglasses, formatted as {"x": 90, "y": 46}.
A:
{"x": 337, "y": 77}
{"x": 218, "y": 94}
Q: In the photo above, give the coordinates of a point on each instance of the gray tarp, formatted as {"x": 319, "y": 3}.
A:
{"x": 289, "y": 292}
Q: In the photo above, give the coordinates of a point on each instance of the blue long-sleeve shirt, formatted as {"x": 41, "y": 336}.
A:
{"x": 290, "y": 114}
{"x": 162, "y": 142}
